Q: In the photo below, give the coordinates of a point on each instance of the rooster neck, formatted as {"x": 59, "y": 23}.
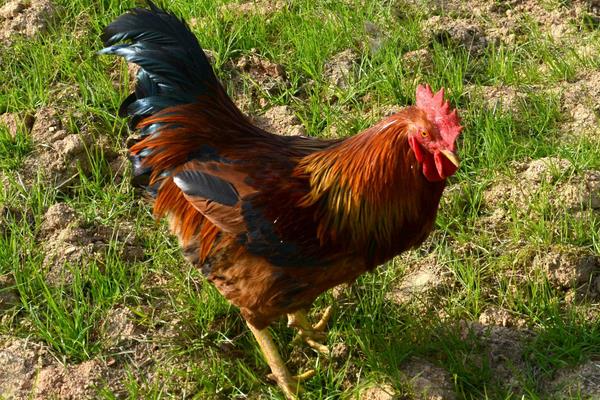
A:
{"x": 371, "y": 189}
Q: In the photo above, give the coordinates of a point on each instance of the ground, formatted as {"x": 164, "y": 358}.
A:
{"x": 501, "y": 302}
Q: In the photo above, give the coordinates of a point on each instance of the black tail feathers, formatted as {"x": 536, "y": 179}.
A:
{"x": 173, "y": 67}
{"x": 174, "y": 70}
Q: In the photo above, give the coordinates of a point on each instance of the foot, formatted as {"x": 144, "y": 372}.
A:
{"x": 289, "y": 384}
{"x": 313, "y": 335}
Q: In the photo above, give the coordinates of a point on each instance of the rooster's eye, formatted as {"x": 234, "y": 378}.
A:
{"x": 423, "y": 133}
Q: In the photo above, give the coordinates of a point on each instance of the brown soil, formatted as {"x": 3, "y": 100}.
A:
{"x": 28, "y": 371}
{"x": 580, "y": 102}
{"x": 280, "y": 120}
{"x": 9, "y": 295}
{"x": 262, "y": 8}
{"x": 262, "y": 73}
{"x": 571, "y": 192}
{"x": 339, "y": 69}
{"x": 68, "y": 243}
{"x": 59, "y": 155}
{"x": 506, "y": 98}
{"x": 570, "y": 268}
{"x": 425, "y": 284}
{"x": 458, "y": 32}
{"x": 25, "y": 17}
{"x": 504, "y": 350}
{"x": 428, "y": 381}
{"x": 581, "y": 382}
{"x": 14, "y": 122}
{"x": 381, "y": 391}
{"x": 417, "y": 58}
{"x": 498, "y": 316}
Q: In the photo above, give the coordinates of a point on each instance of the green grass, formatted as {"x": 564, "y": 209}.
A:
{"x": 211, "y": 354}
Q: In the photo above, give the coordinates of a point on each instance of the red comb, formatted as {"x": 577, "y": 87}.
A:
{"x": 438, "y": 112}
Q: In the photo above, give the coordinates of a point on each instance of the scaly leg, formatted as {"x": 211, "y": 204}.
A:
{"x": 290, "y": 385}
{"x": 313, "y": 335}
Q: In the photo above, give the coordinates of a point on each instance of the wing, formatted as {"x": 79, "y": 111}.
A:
{"x": 259, "y": 204}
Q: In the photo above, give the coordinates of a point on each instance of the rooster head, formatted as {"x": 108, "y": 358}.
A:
{"x": 432, "y": 136}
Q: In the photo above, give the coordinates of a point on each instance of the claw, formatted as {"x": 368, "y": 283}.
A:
{"x": 313, "y": 335}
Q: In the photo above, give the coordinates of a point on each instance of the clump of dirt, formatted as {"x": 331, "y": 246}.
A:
{"x": 339, "y": 69}
{"x": 569, "y": 267}
{"x": 119, "y": 327}
{"x": 418, "y": 58}
{"x": 428, "y": 381}
{"x": 116, "y": 73}
{"x": 457, "y": 32}
{"x": 544, "y": 169}
{"x": 70, "y": 383}
{"x": 506, "y": 98}
{"x": 504, "y": 349}
{"x": 261, "y": 73}
{"x": 20, "y": 361}
{"x": 580, "y": 102}
{"x": 426, "y": 283}
{"x": 67, "y": 241}
{"x": 263, "y": 8}
{"x": 28, "y": 371}
{"x": 119, "y": 167}
{"x": 280, "y": 120}
{"x": 60, "y": 155}
{"x": 13, "y": 122}
{"x": 58, "y": 217}
{"x": 582, "y": 382}
{"x": 9, "y": 295}
{"x": 498, "y": 316}
{"x": 382, "y": 391}
{"x": 571, "y": 192}
{"x": 26, "y": 18}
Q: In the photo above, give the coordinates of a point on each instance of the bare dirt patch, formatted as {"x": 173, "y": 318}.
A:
{"x": 119, "y": 328}
{"x": 426, "y": 282}
{"x": 263, "y": 8}
{"x": 27, "y": 370}
{"x": 20, "y": 361}
{"x": 261, "y": 73}
{"x": 72, "y": 382}
{"x": 498, "y": 316}
{"x": 580, "y": 104}
{"x": 582, "y": 382}
{"x": 68, "y": 243}
{"x": 280, "y": 120}
{"x": 14, "y": 122}
{"x": 551, "y": 180}
{"x": 504, "y": 350}
{"x": 382, "y": 391}
{"x": 60, "y": 155}
{"x": 428, "y": 381}
{"x": 570, "y": 268}
{"x": 26, "y": 18}
{"x": 457, "y": 32}
{"x": 506, "y": 98}
{"x": 339, "y": 70}
{"x": 418, "y": 58}
{"x": 9, "y": 295}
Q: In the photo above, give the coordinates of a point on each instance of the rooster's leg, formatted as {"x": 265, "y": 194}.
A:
{"x": 290, "y": 385}
{"x": 313, "y": 335}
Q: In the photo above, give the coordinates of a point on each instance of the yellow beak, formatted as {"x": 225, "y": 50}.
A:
{"x": 452, "y": 157}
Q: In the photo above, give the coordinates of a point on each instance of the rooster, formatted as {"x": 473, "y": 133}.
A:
{"x": 274, "y": 221}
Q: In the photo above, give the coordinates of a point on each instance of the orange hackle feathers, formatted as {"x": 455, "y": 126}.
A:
{"x": 364, "y": 186}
